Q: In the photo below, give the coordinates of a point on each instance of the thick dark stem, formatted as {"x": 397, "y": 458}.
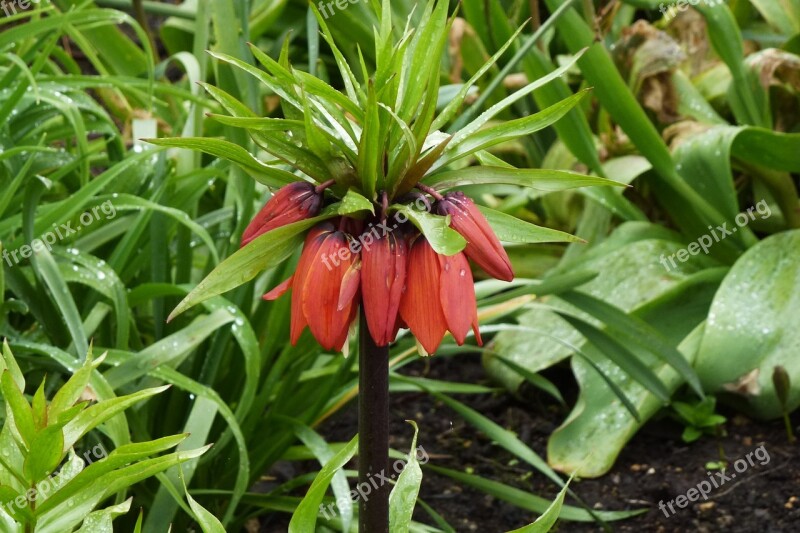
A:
{"x": 373, "y": 431}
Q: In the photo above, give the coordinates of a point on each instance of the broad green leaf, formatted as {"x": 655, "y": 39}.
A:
{"x": 630, "y": 329}
{"x": 170, "y": 349}
{"x": 751, "y": 327}
{"x": 783, "y": 15}
{"x": 590, "y": 440}
{"x": 629, "y": 277}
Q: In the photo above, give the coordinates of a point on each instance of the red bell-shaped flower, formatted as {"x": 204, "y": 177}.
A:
{"x": 325, "y": 288}
{"x": 292, "y": 203}
{"x": 483, "y": 246}
{"x": 439, "y": 296}
{"x": 383, "y": 273}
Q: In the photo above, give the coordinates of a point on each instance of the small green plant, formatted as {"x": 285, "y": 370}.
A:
{"x": 783, "y": 386}
{"x": 699, "y": 418}
{"x": 45, "y": 485}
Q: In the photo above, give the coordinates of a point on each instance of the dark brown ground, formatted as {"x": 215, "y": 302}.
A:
{"x": 656, "y": 465}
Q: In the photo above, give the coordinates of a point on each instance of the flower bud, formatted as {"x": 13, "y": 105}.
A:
{"x": 483, "y": 246}
{"x": 292, "y": 203}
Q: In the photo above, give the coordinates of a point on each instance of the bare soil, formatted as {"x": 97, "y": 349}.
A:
{"x": 656, "y": 464}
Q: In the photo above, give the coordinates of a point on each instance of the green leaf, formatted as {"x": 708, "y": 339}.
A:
{"x": 100, "y": 521}
{"x": 502, "y": 437}
{"x": 540, "y": 179}
{"x": 98, "y": 413}
{"x": 512, "y": 229}
{"x": 71, "y": 391}
{"x": 751, "y": 327}
{"x": 10, "y": 363}
{"x": 369, "y": 148}
{"x": 436, "y": 230}
{"x": 39, "y": 407}
{"x": 353, "y": 202}
{"x": 232, "y": 152}
{"x": 304, "y": 518}
{"x": 19, "y": 407}
{"x": 528, "y": 501}
{"x": 170, "y": 349}
{"x": 207, "y": 521}
{"x": 624, "y": 327}
{"x": 45, "y": 454}
{"x": 621, "y": 356}
{"x": 266, "y": 251}
{"x": 508, "y": 131}
{"x": 548, "y": 519}
{"x": 403, "y": 497}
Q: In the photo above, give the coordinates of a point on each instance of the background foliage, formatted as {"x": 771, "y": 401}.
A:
{"x": 699, "y": 113}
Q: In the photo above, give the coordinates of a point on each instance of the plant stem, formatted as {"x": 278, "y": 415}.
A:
{"x": 788, "y": 423}
{"x": 373, "y": 432}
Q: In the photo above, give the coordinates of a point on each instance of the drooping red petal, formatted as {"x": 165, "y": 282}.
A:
{"x": 314, "y": 240}
{"x": 483, "y": 246}
{"x": 420, "y": 307}
{"x": 350, "y": 284}
{"x": 382, "y": 278}
{"x": 279, "y": 290}
{"x": 291, "y": 203}
{"x": 457, "y": 293}
{"x": 321, "y": 291}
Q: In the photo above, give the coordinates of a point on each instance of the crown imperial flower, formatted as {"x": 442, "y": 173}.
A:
{"x": 439, "y": 297}
{"x": 324, "y": 287}
{"x": 383, "y": 276}
{"x": 393, "y": 272}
